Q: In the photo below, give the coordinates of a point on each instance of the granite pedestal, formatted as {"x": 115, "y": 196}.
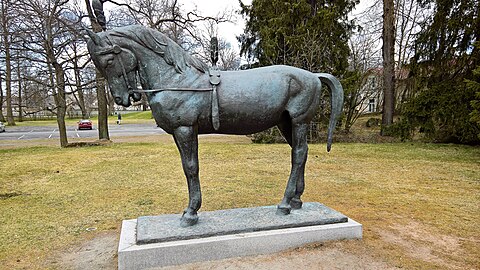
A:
{"x": 155, "y": 241}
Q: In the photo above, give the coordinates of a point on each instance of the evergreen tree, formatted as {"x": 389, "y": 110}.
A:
{"x": 443, "y": 64}
{"x": 474, "y": 86}
{"x": 310, "y": 34}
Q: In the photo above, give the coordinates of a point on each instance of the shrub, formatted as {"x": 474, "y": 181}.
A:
{"x": 373, "y": 122}
{"x": 271, "y": 135}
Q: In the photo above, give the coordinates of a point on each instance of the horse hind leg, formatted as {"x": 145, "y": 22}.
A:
{"x": 296, "y": 202}
{"x": 285, "y": 127}
{"x": 187, "y": 142}
{"x": 295, "y": 184}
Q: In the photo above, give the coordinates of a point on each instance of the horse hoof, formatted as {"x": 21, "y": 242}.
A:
{"x": 188, "y": 220}
{"x": 296, "y": 203}
{"x": 283, "y": 211}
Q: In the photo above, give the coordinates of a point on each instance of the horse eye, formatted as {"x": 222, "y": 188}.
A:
{"x": 110, "y": 62}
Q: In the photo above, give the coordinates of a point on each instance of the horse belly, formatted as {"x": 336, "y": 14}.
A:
{"x": 243, "y": 123}
{"x": 250, "y": 105}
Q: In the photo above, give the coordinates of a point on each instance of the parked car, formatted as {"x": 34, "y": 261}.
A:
{"x": 2, "y": 127}
{"x": 85, "y": 124}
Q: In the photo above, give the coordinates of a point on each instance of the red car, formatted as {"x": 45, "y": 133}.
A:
{"x": 85, "y": 124}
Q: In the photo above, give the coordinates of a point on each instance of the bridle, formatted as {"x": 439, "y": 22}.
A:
{"x": 115, "y": 49}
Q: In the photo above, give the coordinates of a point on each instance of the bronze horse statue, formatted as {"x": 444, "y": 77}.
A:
{"x": 185, "y": 101}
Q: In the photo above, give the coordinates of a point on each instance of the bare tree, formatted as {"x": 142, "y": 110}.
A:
{"x": 364, "y": 62}
{"x": 46, "y": 34}
{"x": 77, "y": 57}
{"x": 2, "y": 118}
{"x": 168, "y": 17}
{"x": 408, "y": 14}
{"x": 20, "y": 87}
{"x": 35, "y": 90}
{"x": 228, "y": 57}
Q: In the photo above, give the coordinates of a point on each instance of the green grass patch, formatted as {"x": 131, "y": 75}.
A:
{"x": 47, "y": 122}
{"x": 127, "y": 117}
{"x": 145, "y": 115}
{"x": 49, "y": 196}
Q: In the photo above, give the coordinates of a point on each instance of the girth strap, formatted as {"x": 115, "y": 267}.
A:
{"x": 214, "y": 81}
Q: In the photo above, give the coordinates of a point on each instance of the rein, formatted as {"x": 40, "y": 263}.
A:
{"x": 171, "y": 89}
{"x": 131, "y": 90}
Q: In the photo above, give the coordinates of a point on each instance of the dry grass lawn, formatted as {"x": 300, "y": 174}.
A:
{"x": 418, "y": 203}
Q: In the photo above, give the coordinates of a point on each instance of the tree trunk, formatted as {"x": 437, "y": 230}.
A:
{"x": 59, "y": 96}
{"x": 100, "y": 84}
{"x": 349, "y": 119}
{"x": 2, "y": 119}
{"x": 144, "y": 102}
{"x": 102, "y": 107}
{"x": 8, "y": 82}
{"x": 20, "y": 113}
{"x": 388, "y": 50}
{"x": 110, "y": 103}
{"x": 81, "y": 97}
{"x": 8, "y": 64}
{"x": 61, "y": 103}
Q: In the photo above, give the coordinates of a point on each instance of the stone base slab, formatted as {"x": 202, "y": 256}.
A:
{"x": 143, "y": 256}
{"x": 165, "y": 228}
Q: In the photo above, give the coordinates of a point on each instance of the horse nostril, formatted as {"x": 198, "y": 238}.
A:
{"x": 118, "y": 100}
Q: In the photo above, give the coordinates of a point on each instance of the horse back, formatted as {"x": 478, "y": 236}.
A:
{"x": 257, "y": 99}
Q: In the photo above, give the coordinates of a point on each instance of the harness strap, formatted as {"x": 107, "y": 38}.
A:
{"x": 215, "y": 113}
{"x": 172, "y": 89}
{"x": 125, "y": 78}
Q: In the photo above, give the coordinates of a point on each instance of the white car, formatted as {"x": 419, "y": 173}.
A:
{"x": 2, "y": 127}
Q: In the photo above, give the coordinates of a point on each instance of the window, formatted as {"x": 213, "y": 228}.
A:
{"x": 371, "y": 105}
{"x": 373, "y": 82}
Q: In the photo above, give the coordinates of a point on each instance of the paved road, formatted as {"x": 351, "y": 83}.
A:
{"x": 51, "y": 132}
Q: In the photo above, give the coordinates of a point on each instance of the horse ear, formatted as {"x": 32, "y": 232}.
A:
{"x": 95, "y": 38}
{"x": 117, "y": 49}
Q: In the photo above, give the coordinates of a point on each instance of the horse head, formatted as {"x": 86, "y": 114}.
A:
{"x": 118, "y": 65}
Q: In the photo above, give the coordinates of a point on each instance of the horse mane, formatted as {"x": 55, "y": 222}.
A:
{"x": 160, "y": 44}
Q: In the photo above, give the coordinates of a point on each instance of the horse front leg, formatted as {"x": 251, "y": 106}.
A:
{"x": 295, "y": 183}
{"x": 186, "y": 140}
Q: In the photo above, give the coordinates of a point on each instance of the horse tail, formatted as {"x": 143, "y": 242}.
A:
{"x": 336, "y": 101}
